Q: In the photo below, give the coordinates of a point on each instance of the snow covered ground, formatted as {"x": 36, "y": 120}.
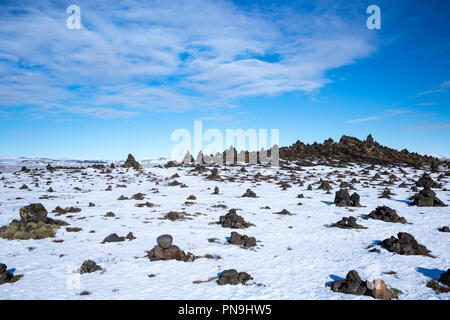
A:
{"x": 295, "y": 257}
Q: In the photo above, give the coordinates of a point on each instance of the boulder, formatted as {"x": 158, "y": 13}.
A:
{"x": 113, "y": 238}
{"x": 89, "y": 266}
{"x": 34, "y": 212}
{"x": 233, "y": 277}
{"x": 348, "y": 223}
{"x": 445, "y": 278}
{"x": 386, "y": 214}
{"x": 242, "y": 240}
{"x": 352, "y": 284}
{"x": 164, "y": 241}
{"x": 343, "y": 199}
{"x": 233, "y": 220}
{"x": 405, "y": 245}
{"x": 132, "y": 163}
{"x": 426, "y": 198}
{"x": 249, "y": 193}
{"x": 168, "y": 252}
{"x": 5, "y": 276}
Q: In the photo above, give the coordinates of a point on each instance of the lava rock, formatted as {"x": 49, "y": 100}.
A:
{"x": 343, "y": 199}
{"x": 324, "y": 185}
{"x": 405, "y": 245}
{"x": 348, "y": 223}
{"x": 386, "y": 214}
{"x": 5, "y": 276}
{"x": 233, "y": 220}
{"x": 89, "y": 266}
{"x": 132, "y": 163}
{"x": 426, "y": 198}
{"x": 249, "y": 193}
{"x": 130, "y": 236}
{"x": 445, "y": 278}
{"x": 386, "y": 194}
{"x": 233, "y": 277}
{"x": 352, "y": 284}
{"x": 113, "y": 238}
{"x": 242, "y": 240}
{"x": 427, "y": 182}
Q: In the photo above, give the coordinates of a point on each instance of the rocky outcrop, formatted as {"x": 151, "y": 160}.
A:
{"x": 249, "y": 194}
{"x": 165, "y": 250}
{"x": 233, "y": 220}
{"x": 348, "y": 223}
{"x": 405, "y": 245}
{"x": 352, "y": 284}
{"x": 426, "y": 198}
{"x": 132, "y": 163}
{"x": 242, "y": 240}
{"x": 351, "y": 149}
{"x": 34, "y": 224}
{"x": 233, "y": 277}
{"x": 386, "y": 214}
{"x": 89, "y": 266}
{"x": 427, "y": 182}
{"x": 445, "y": 278}
{"x": 5, "y": 276}
{"x": 343, "y": 199}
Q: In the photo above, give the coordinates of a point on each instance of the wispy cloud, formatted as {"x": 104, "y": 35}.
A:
{"x": 384, "y": 115}
{"x": 442, "y": 88}
{"x": 166, "y": 55}
{"x": 426, "y": 104}
{"x": 430, "y": 126}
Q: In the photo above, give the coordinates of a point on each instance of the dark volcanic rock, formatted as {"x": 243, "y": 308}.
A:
{"x": 5, "y": 276}
{"x": 386, "y": 194}
{"x": 242, "y": 240}
{"x": 426, "y": 198}
{"x": 445, "y": 278}
{"x": 89, "y": 266}
{"x": 348, "y": 223}
{"x": 343, "y": 199}
{"x": 444, "y": 229}
{"x": 324, "y": 185}
{"x": 405, "y": 244}
{"x": 386, "y": 214}
{"x": 113, "y": 238}
{"x": 351, "y": 149}
{"x": 427, "y": 182}
{"x": 352, "y": 284}
{"x": 233, "y": 220}
{"x": 232, "y": 277}
{"x": 132, "y": 163}
{"x": 249, "y": 193}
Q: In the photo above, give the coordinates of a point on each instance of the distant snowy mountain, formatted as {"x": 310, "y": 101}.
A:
{"x": 440, "y": 156}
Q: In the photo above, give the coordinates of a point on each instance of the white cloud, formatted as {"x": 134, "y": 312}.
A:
{"x": 384, "y": 115}
{"x": 430, "y": 126}
{"x": 166, "y": 55}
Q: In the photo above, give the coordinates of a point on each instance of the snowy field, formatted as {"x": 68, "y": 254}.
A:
{"x": 296, "y": 255}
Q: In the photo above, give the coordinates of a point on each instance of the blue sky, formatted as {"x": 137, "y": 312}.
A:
{"x": 138, "y": 70}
